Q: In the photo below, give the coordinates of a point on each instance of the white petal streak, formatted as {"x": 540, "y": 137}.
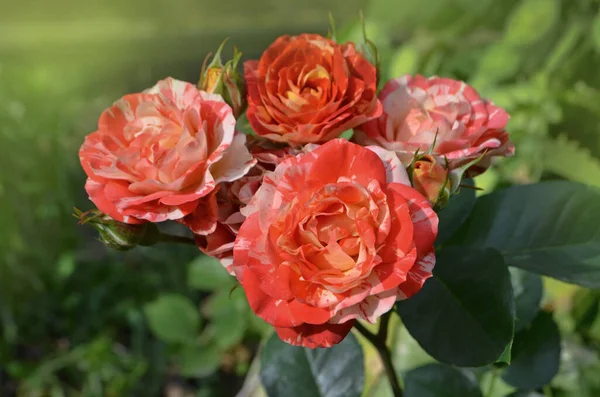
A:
{"x": 394, "y": 170}
{"x": 370, "y": 309}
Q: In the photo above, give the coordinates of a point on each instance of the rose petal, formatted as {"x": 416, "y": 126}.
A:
{"x": 313, "y": 336}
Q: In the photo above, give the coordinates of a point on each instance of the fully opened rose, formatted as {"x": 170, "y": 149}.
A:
{"x": 333, "y": 236}
{"x": 419, "y": 111}
{"x": 309, "y": 89}
{"x": 158, "y": 154}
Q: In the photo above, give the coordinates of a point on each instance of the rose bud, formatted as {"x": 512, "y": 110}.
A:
{"x": 118, "y": 235}
{"x": 431, "y": 179}
{"x": 225, "y": 80}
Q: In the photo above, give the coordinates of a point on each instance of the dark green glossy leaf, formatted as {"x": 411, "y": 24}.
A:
{"x": 439, "y": 380}
{"x": 456, "y": 212}
{"x": 536, "y": 354}
{"x": 464, "y": 315}
{"x": 505, "y": 357}
{"x": 288, "y": 370}
{"x": 528, "y": 291}
{"x": 173, "y": 318}
{"x": 550, "y": 228}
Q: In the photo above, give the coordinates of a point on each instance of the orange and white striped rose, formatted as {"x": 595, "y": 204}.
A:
{"x": 419, "y": 111}
{"x": 159, "y": 154}
{"x": 331, "y": 236}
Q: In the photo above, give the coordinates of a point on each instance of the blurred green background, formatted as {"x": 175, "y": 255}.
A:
{"x": 77, "y": 319}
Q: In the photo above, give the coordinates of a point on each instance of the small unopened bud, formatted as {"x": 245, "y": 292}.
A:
{"x": 430, "y": 178}
{"x": 118, "y": 235}
{"x": 225, "y": 80}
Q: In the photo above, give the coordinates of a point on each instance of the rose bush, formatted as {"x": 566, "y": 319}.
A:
{"x": 159, "y": 154}
{"x": 419, "y": 111}
{"x": 324, "y": 234}
{"x": 309, "y": 89}
{"x": 331, "y": 236}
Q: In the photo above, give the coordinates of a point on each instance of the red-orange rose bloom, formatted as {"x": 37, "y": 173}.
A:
{"x": 331, "y": 236}
{"x": 158, "y": 154}
{"x": 309, "y": 89}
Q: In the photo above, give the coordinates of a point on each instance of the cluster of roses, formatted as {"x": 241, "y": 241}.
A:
{"x": 319, "y": 230}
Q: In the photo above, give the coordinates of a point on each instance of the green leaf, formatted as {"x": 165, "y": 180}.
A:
{"x": 258, "y": 325}
{"x": 550, "y": 228}
{"x": 505, "y": 357}
{"x": 567, "y": 159}
{"x": 407, "y": 354}
{"x": 456, "y": 212}
{"x": 498, "y": 62}
{"x": 206, "y": 273}
{"x": 525, "y": 394}
{"x": 438, "y": 380}
{"x": 586, "y": 312}
{"x": 288, "y": 370}
{"x": 65, "y": 266}
{"x": 536, "y": 354}
{"x": 173, "y": 318}
{"x": 404, "y": 61}
{"x": 470, "y": 298}
{"x": 229, "y": 313}
{"x": 596, "y": 32}
{"x": 569, "y": 41}
{"x": 531, "y": 20}
{"x": 491, "y": 382}
{"x": 347, "y": 134}
{"x": 243, "y": 125}
{"x": 196, "y": 361}
{"x": 528, "y": 290}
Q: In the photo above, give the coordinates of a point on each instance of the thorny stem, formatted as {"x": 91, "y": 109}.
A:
{"x": 378, "y": 340}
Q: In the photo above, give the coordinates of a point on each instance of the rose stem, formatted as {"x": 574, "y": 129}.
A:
{"x": 379, "y": 342}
